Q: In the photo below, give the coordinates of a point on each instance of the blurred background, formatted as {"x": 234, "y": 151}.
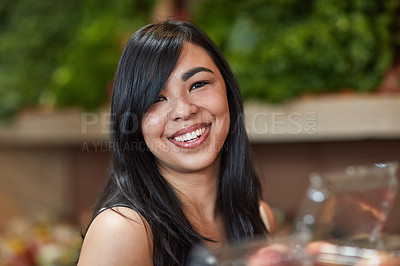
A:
{"x": 321, "y": 82}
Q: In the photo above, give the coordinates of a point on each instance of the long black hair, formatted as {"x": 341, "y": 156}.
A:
{"x": 144, "y": 67}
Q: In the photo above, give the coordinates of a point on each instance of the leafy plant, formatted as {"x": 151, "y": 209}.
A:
{"x": 279, "y": 49}
{"x": 62, "y": 52}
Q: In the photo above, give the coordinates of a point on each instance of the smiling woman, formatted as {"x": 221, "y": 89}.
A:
{"x": 187, "y": 129}
{"x": 194, "y": 183}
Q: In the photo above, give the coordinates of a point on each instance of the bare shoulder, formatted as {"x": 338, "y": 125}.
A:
{"x": 269, "y": 217}
{"x": 117, "y": 236}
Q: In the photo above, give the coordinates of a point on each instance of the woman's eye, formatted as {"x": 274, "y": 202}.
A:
{"x": 197, "y": 85}
{"x": 159, "y": 99}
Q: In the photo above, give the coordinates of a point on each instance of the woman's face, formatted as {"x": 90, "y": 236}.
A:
{"x": 188, "y": 124}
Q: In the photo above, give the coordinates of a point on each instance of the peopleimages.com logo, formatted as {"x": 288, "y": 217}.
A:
{"x": 281, "y": 123}
{"x": 261, "y": 123}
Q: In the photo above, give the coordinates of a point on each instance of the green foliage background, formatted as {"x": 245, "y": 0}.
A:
{"x": 63, "y": 52}
{"x": 280, "y": 49}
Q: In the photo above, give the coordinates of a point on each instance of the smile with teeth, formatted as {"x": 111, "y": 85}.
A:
{"x": 192, "y": 136}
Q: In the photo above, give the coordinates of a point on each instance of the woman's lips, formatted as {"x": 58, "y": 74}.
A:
{"x": 191, "y": 137}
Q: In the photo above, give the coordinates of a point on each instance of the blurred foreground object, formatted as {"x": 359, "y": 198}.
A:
{"x": 39, "y": 243}
{"x": 350, "y": 203}
{"x": 343, "y": 215}
{"x": 340, "y": 223}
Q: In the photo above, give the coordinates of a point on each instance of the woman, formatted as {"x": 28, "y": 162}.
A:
{"x": 181, "y": 172}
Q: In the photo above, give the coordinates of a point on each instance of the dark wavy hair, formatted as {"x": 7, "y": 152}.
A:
{"x": 144, "y": 67}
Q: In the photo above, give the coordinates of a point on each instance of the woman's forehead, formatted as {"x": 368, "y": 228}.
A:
{"x": 192, "y": 56}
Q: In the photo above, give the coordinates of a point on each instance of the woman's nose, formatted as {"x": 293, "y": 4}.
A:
{"x": 183, "y": 109}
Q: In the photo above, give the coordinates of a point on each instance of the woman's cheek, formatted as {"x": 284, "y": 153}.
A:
{"x": 152, "y": 127}
{"x": 151, "y": 120}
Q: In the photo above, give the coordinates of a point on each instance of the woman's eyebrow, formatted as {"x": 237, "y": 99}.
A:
{"x": 187, "y": 75}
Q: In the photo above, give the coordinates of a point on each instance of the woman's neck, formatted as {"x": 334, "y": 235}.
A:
{"x": 197, "y": 192}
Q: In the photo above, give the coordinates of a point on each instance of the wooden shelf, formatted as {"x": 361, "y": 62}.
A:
{"x": 55, "y": 127}
{"x": 313, "y": 118}
{"x": 324, "y": 118}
